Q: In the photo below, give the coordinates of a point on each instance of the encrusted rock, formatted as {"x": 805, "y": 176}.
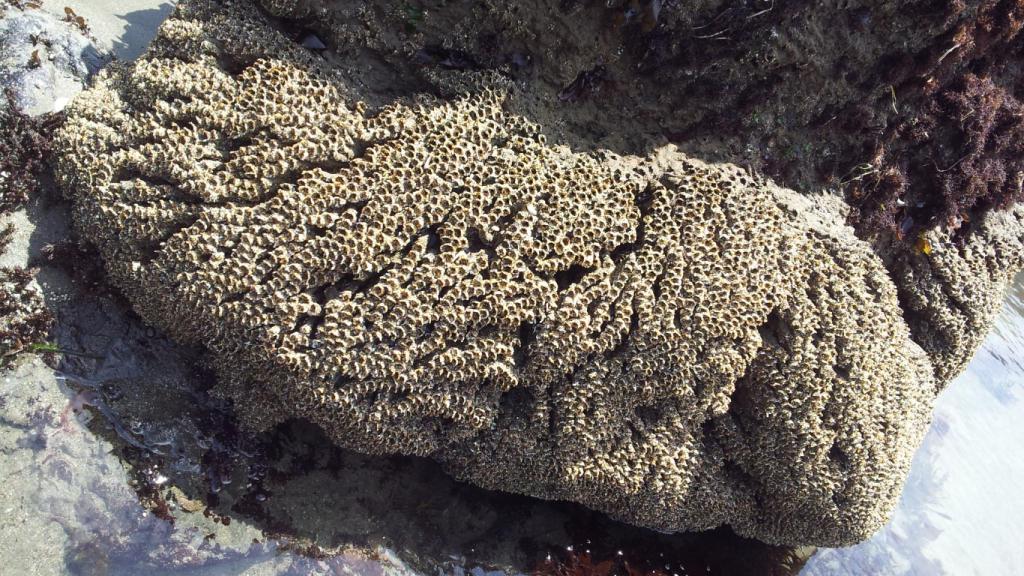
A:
{"x": 678, "y": 344}
{"x": 954, "y": 287}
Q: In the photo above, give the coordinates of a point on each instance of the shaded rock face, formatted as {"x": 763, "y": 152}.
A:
{"x": 678, "y": 344}
{"x": 952, "y": 296}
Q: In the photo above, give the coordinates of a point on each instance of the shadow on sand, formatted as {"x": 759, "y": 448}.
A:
{"x": 141, "y": 27}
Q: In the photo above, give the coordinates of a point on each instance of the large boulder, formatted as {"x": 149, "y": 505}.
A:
{"x": 679, "y": 344}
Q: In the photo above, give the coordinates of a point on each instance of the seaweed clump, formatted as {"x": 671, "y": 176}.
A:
{"x": 989, "y": 122}
{"x": 24, "y": 146}
{"x": 959, "y": 153}
{"x": 964, "y": 154}
{"x": 24, "y": 319}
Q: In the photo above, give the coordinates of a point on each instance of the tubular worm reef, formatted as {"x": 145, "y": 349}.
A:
{"x": 439, "y": 263}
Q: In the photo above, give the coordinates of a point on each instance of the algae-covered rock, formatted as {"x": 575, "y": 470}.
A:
{"x": 679, "y": 344}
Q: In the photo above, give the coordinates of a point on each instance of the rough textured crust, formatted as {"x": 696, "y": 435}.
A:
{"x": 951, "y": 295}
{"x": 675, "y": 343}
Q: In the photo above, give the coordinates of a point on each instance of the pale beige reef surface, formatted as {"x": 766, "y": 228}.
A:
{"x": 678, "y": 344}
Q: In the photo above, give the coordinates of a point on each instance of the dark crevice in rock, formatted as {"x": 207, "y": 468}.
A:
{"x": 619, "y": 350}
{"x": 656, "y": 285}
{"x": 571, "y": 276}
{"x": 433, "y": 239}
{"x": 923, "y": 332}
{"x": 526, "y": 334}
{"x": 231, "y": 145}
{"x": 351, "y": 283}
{"x": 741, "y": 403}
{"x": 314, "y": 323}
{"x": 636, "y": 437}
{"x": 650, "y": 414}
{"x": 516, "y": 404}
{"x": 474, "y": 243}
{"x": 735, "y": 473}
{"x": 587, "y": 84}
{"x": 842, "y": 371}
{"x": 643, "y": 201}
{"x": 426, "y": 331}
{"x": 839, "y": 456}
{"x": 447, "y": 58}
{"x": 699, "y": 387}
{"x": 234, "y": 297}
{"x": 776, "y": 332}
{"x": 612, "y": 311}
{"x": 707, "y": 436}
{"x": 342, "y": 381}
{"x": 172, "y": 190}
{"x": 233, "y": 64}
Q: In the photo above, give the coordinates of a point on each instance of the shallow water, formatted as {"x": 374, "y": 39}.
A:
{"x": 962, "y": 509}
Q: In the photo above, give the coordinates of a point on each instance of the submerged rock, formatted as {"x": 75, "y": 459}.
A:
{"x": 678, "y": 344}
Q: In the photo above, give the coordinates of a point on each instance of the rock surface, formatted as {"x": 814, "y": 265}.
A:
{"x": 952, "y": 295}
{"x": 678, "y": 344}
{"x": 43, "y": 59}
